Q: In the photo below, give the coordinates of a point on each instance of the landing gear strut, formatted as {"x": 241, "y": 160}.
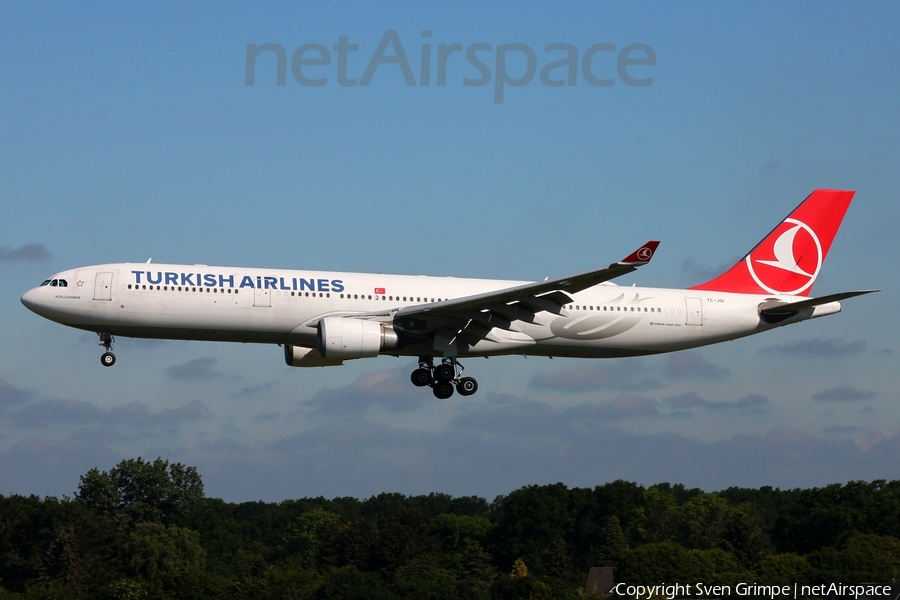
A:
{"x": 443, "y": 378}
{"x": 108, "y": 359}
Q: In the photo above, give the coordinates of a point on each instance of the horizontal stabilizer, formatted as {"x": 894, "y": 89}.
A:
{"x": 777, "y": 307}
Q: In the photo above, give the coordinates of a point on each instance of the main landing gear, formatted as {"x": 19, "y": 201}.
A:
{"x": 443, "y": 378}
{"x": 108, "y": 359}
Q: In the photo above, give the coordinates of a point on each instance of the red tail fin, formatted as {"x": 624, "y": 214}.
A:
{"x": 789, "y": 259}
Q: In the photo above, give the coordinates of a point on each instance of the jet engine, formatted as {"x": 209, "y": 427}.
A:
{"x": 304, "y": 356}
{"x": 346, "y": 338}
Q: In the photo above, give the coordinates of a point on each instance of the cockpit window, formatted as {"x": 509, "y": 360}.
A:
{"x": 63, "y": 283}
{"x": 54, "y": 283}
{"x": 46, "y": 282}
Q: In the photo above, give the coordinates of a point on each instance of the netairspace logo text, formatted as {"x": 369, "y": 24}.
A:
{"x": 476, "y": 65}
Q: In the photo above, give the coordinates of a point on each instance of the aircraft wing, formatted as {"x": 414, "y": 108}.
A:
{"x": 549, "y": 295}
{"x": 473, "y": 317}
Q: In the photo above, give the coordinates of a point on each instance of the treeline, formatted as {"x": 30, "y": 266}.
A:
{"x": 145, "y": 530}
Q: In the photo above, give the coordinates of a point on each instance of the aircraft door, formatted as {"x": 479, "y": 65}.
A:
{"x": 262, "y": 297}
{"x": 694, "y": 310}
{"x": 103, "y": 286}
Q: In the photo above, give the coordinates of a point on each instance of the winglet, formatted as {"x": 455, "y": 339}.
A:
{"x": 642, "y": 255}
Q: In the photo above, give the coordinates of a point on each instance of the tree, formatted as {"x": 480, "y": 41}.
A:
{"x": 613, "y": 544}
{"x": 474, "y": 564}
{"x": 314, "y": 538}
{"x": 743, "y": 535}
{"x": 406, "y": 536}
{"x": 701, "y": 521}
{"x": 864, "y": 557}
{"x": 666, "y": 562}
{"x": 154, "y": 549}
{"x": 458, "y": 532}
{"x": 783, "y": 569}
{"x": 423, "y": 578}
{"x": 657, "y": 518}
{"x": 527, "y": 521}
{"x": 358, "y": 542}
{"x": 136, "y": 491}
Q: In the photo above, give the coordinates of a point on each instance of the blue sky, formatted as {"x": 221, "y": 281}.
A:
{"x": 128, "y": 133}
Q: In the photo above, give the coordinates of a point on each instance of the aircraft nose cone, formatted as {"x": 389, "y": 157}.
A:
{"x": 29, "y": 299}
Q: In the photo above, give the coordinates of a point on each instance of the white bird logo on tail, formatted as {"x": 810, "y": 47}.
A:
{"x": 784, "y": 253}
{"x": 783, "y": 249}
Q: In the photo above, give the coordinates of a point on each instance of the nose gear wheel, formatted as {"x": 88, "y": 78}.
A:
{"x": 108, "y": 359}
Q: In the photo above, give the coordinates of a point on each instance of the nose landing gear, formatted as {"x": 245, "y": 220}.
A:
{"x": 108, "y": 359}
{"x": 443, "y": 378}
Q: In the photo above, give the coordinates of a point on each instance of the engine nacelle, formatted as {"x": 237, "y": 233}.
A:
{"x": 347, "y": 338}
{"x": 303, "y": 356}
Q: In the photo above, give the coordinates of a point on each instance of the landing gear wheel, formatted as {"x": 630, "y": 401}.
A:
{"x": 443, "y": 390}
{"x": 108, "y": 359}
{"x": 444, "y": 372}
{"x": 420, "y": 377}
{"x": 467, "y": 386}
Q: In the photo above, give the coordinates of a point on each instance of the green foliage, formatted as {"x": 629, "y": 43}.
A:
{"x": 408, "y": 535}
{"x": 136, "y": 491}
{"x": 862, "y": 558}
{"x": 423, "y": 578}
{"x": 663, "y": 562}
{"x": 154, "y": 550}
{"x": 783, "y": 569}
{"x": 349, "y": 583}
{"x": 314, "y": 538}
{"x": 458, "y": 532}
{"x": 613, "y": 545}
{"x": 527, "y": 521}
{"x": 144, "y": 531}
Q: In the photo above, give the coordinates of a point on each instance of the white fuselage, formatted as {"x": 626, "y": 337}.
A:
{"x": 283, "y": 306}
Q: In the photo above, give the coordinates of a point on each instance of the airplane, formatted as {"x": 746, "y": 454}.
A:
{"x": 325, "y": 318}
